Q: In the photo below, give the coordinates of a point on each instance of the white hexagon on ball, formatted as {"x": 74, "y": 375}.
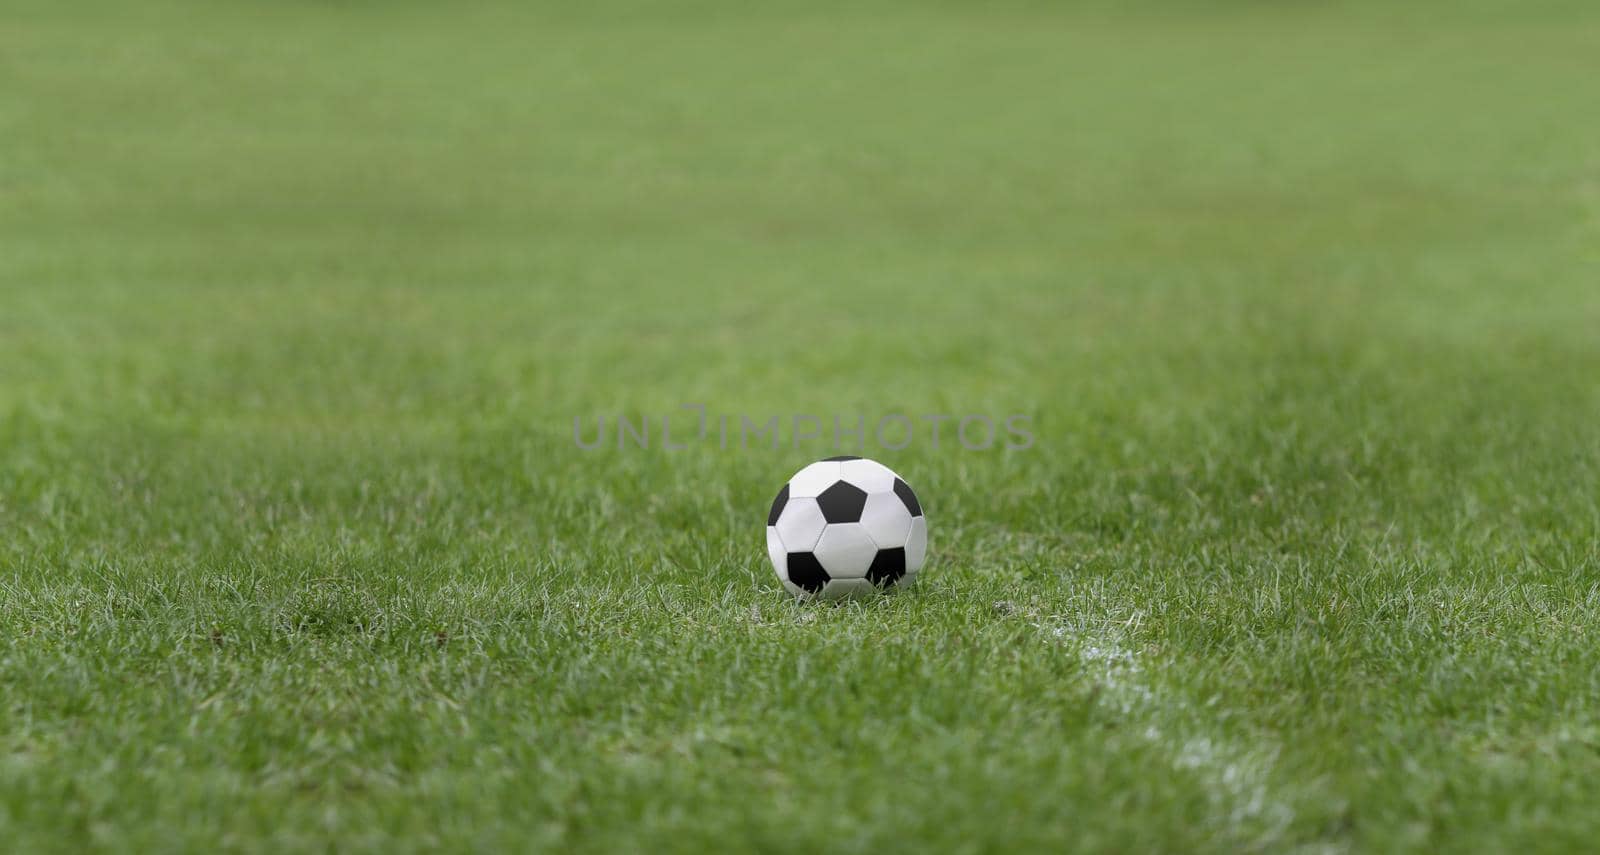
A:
{"x": 801, "y": 525}
{"x": 812, "y": 480}
{"x": 869, "y": 475}
{"x": 917, "y": 544}
{"x": 886, "y": 520}
{"x": 846, "y": 551}
{"x": 846, "y": 527}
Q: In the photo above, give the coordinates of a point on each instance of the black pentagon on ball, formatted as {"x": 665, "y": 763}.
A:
{"x": 887, "y": 566}
{"x": 842, "y": 503}
{"x": 777, "y": 505}
{"x": 806, "y": 572}
{"x": 840, "y": 458}
{"x": 908, "y": 498}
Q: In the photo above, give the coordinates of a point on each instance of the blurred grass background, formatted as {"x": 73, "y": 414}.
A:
{"x": 298, "y": 302}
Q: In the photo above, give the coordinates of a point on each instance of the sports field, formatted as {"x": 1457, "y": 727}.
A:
{"x": 299, "y": 302}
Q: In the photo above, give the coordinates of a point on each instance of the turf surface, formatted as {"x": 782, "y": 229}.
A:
{"x": 298, "y": 303}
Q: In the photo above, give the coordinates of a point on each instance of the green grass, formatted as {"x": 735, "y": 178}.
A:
{"x": 298, "y": 302}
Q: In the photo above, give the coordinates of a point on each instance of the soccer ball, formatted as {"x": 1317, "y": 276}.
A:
{"x": 845, "y": 526}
